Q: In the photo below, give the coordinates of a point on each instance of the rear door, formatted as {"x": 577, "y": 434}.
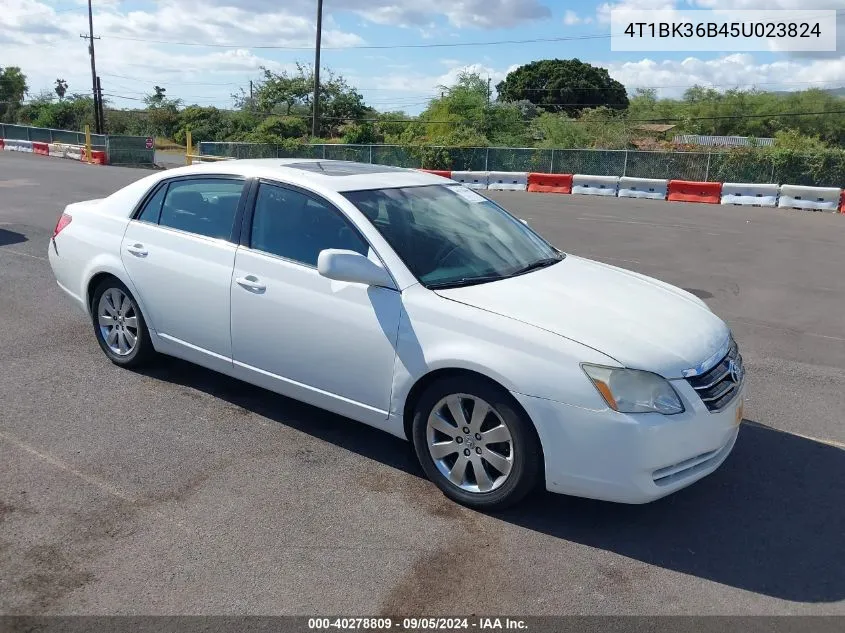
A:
{"x": 179, "y": 252}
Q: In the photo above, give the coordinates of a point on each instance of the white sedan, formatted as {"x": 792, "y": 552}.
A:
{"x": 415, "y": 305}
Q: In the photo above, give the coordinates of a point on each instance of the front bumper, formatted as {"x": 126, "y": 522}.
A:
{"x": 631, "y": 458}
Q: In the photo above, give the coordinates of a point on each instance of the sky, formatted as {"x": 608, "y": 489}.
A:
{"x": 396, "y": 52}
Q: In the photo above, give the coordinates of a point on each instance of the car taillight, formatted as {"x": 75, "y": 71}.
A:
{"x": 64, "y": 220}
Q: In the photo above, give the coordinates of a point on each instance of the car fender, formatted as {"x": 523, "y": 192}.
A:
{"x": 436, "y": 333}
{"x": 111, "y": 264}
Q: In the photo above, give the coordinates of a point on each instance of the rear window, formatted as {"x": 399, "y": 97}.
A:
{"x": 203, "y": 206}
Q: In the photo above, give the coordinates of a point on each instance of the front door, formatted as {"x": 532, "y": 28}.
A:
{"x": 326, "y": 342}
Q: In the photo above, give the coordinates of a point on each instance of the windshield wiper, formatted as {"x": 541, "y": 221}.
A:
{"x": 464, "y": 281}
{"x": 540, "y": 263}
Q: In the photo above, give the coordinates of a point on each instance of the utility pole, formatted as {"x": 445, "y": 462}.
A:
{"x": 99, "y": 103}
{"x": 315, "y": 124}
{"x": 90, "y": 37}
{"x": 251, "y": 104}
{"x": 488, "y": 91}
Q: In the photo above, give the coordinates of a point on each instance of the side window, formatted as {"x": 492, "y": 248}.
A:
{"x": 295, "y": 226}
{"x": 152, "y": 209}
{"x": 205, "y": 206}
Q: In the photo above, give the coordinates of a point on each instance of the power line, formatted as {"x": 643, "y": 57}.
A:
{"x": 571, "y": 38}
{"x": 580, "y": 121}
{"x": 572, "y": 88}
{"x": 368, "y": 46}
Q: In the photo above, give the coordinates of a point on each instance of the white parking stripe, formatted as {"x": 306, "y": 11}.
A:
{"x": 6, "y": 250}
{"x": 91, "y": 479}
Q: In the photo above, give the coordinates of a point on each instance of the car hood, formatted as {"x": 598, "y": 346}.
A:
{"x": 641, "y": 322}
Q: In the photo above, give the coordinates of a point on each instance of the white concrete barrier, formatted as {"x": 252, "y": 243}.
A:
{"x": 472, "y": 179}
{"x": 750, "y": 194}
{"x": 74, "y": 152}
{"x": 56, "y": 149}
{"x": 595, "y": 185}
{"x": 652, "y": 188}
{"x": 816, "y": 198}
{"x": 12, "y": 145}
{"x": 507, "y": 180}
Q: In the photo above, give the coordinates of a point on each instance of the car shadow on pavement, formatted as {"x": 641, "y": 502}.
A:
{"x": 11, "y": 237}
{"x": 771, "y": 520}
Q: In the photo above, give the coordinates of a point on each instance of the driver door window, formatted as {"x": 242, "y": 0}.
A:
{"x": 294, "y": 226}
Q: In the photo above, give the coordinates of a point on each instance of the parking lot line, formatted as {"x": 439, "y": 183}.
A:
{"x": 94, "y": 481}
{"x": 6, "y": 250}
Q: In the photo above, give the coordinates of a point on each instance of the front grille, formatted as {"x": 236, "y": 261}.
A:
{"x": 718, "y": 386}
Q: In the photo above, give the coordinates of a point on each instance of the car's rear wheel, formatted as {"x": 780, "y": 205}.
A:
{"x": 475, "y": 444}
{"x": 119, "y": 325}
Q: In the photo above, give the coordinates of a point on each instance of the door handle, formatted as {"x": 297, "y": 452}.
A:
{"x": 251, "y": 283}
{"x": 137, "y": 249}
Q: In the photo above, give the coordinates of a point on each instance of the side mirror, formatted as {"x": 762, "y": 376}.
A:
{"x": 342, "y": 265}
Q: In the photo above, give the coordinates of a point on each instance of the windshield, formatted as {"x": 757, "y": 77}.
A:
{"x": 448, "y": 235}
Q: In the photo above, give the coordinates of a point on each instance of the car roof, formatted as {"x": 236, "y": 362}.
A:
{"x": 331, "y": 175}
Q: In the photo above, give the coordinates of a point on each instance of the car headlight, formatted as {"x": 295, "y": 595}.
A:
{"x": 634, "y": 391}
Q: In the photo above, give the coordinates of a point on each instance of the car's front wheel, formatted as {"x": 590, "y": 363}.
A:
{"x": 119, "y": 325}
{"x": 475, "y": 444}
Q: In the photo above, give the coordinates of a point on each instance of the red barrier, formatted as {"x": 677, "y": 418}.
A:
{"x": 550, "y": 183}
{"x": 40, "y": 148}
{"x": 438, "y": 172}
{"x": 689, "y": 191}
{"x": 841, "y": 198}
{"x": 97, "y": 156}
{"x": 1, "y": 143}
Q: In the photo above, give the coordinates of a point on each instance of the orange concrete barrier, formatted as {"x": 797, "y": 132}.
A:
{"x": 438, "y": 172}
{"x": 40, "y": 148}
{"x": 1, "y": 143}
{"x": 841, "y": 198}
{"x": 549, "y": 183}
{"x": 690, "y": 191}
{"x": 97, "y": 156}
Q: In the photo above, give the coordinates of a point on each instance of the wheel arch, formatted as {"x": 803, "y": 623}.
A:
{"x": 425, "y": 381}
{"x": 97, "y": 274}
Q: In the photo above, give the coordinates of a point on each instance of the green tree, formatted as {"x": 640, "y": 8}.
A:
{"x": 162, "y": 113}
{"x": 563, "y": 85}
{"x": 289, "y": 94}
{"x": 362, "y": 134}
{"x": 205, "y": 124}
{"x": 391, "y": 125}
{"x": 61, "y": 88}
{"x": 71, "y": 113}
{"x": 13, "y": 88}
{"x": 275, "y": 129}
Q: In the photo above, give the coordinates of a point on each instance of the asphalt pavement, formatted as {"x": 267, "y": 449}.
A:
{"x": 179, "y": 491}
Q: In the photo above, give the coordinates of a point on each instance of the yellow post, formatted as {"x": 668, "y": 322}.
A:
{"x": 188, "y": 151}
{"x": 88, "y": 142}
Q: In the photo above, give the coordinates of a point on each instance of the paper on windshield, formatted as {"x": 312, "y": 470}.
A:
{"x": 468, "y": 194}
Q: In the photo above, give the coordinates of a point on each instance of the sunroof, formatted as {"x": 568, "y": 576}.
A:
{"x": 342, "y": 168}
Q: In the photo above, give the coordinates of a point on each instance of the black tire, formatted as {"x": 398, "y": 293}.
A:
{"x": 527, "y": 452}
{"x": 143, "y": 350}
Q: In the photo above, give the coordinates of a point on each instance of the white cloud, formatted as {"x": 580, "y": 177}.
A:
{"x": 736, "y": 70}
{"x": 603, "y": 10}
{"x": 461, "y": 13}
{"x": 570, "y": 18}
{"x": 488, "y": 14}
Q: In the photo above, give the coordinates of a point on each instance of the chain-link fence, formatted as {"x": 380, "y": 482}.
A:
{"x": 824, "y": 170}
{"x": 121, "y": 150}
{"x": 130, "y": 150}
{"x": 48, "y": 135}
